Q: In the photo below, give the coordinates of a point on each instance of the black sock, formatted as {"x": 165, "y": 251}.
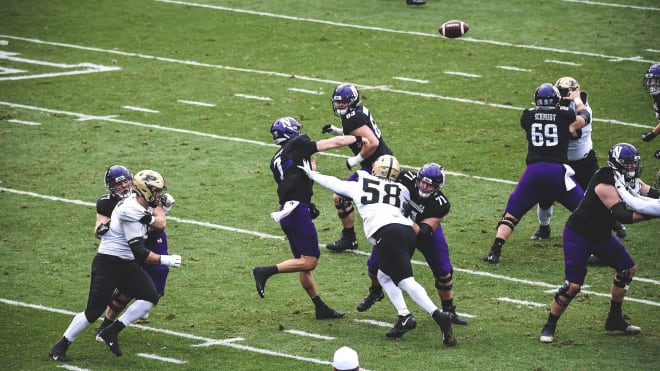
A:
{"x": 447, "y": 305}
{"x": 349, "y": 233}
{"x": 615, "y": 307}
{"x": 552, "y": 319}
{"x": 317, "y": 301}
{"x": 270, "y": 270}
{"x": 106, "y": 322}
{"x": 497, "y": 245}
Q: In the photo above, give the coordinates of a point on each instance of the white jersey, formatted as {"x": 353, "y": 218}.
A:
{"x": 379, "y": 201}
{"x": 579, "y": 148}
{"x": 125, "y": 225}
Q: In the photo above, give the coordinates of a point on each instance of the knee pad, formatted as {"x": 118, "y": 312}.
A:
{"x": 119, "y": 301}
{"x": 623, "y": 279}
{"x": 444, "y": 284}
{"x": 344, "y": 207}
{"x": 562, "y": 297}
{"x": 508, "y": 221}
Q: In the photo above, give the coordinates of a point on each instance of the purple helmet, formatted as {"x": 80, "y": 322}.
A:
{"x": 624, "y": 158}
{"x": 345, "y": 99}
{"x": 547, "y": 96}
{"x": 117, "y": 174}
{"x": 284, "y": 129}
{"x": 431, "y": 174}
{"x": 652, "y": 79}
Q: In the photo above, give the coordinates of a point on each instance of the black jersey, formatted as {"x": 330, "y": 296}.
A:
{"x": 361, "y": 117}
{"x": 422, "y": 208}
{"x": 591, "y": 218}
{"x": 547, "y": 134}
{"x": 292, "y": 183}
{"x": 106, "y": 203}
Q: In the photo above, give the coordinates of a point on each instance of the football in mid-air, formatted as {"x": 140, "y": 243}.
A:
{"x": 453, "y": 29}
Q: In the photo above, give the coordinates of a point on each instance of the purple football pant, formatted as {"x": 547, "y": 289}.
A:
{"x": 301, "y": 232}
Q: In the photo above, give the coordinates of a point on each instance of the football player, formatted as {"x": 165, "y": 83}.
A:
{"x": 547, "y": 177}
{"x": 428, "y": 206}
{"x": 588, "y": 230}
{"x": 356, "y": 119}
{"x": 652, "y": 84}
{"x": 114, "y": 265}
{"x": 380, "y": 200}
{"x": 119, "y": 181}
{"x": 294, "y": 191}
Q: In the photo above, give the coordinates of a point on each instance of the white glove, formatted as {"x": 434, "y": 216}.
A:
{"x": 171, "y": 260}
{"x": 619, "y": 181}
{"x": 355, "y": 160}
{"x": 307, "y": 169}
{"x": 167, "y": 201}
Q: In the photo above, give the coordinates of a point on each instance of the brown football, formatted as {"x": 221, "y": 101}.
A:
{"x": 453, "y": 29}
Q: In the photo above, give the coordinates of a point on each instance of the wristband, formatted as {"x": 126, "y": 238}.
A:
{"x": 358, "y": 139}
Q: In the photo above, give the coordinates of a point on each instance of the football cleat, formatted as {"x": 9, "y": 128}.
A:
{"x": 455, "y": 319}
{"x": 98, "y": 334}
{"x": 620, "y": 230}
{"x": 548, "y": 333}
{"x": 415, "y": 2}
{"x": 375, "y": 294}
{"x": 493, "y": 257}
{"x": 109, "y": 336}
{"x": 444, "y": 321}
{"x": 260, "y": 280}
{"x": 543, "y": 233}
{"x": 325, "y": 312}
{"x": 58, "y": 353}
{"x": 343, "y": 244}
{"x": 617, "y": 323}
{"x": 403, "y": 325}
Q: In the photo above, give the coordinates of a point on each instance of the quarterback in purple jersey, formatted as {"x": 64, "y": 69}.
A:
{"x": 588, "y": 230}
{"x": 294, "y": 191}
{"x": 547, "y": 177}
{"x": 428, "y": 206}
{"x": 652, "y": 84}
{"x": 356, "y": 119}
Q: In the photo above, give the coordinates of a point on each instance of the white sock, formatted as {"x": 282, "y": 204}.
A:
{"x": 393, "y": 293}
{"x": 135, "y": 311}
{"x": 544, "y": 215}
{"x": 76, "y": 326}
{"x": 418, "y": 294}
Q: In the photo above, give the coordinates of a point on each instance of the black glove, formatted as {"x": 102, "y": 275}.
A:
{"x": 327, "y": 129}
{"x": 407, "y": 209}
{"x": 146, "y": 219}
{"x": 647, "y": 137}
{"x": 657, "y": 154}
{"x": 313, "y": 211}
{"x": 102, "y": 229}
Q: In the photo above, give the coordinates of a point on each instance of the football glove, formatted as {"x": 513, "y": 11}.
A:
{"x": 331, "y": 129}
{"x": 167, "y": 201}
{"x": 102, "y": 229}
{"x": 647, "y": 137}
{"x": 147, "y": 219}
{"x": 307, "y": 169}
{"x": 314, "y": 211}
{"x": 171, "y": 260}
{"x": 355, "y": 160}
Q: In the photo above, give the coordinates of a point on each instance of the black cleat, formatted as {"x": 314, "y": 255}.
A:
{"x": 109, "y": 336}
{"x": 343, "y": 244}
{"x": 58, "y": 352}
{"x": 493, "y": 257}
{"x": 543, "y": 233}
{"x": 325, "y": 312}
{"x": 547, "y": 333}
{"x": 455, "y": 319}
{"x": 260, "y": 280}
{"x": 415, "y": 2}
{"x": 403, "y": 325}
{"x": 617, "y": 323}
{"x": 375, "y": 294}
{"x": 444, "y": 321}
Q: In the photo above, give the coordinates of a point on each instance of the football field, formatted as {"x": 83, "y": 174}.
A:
{"x": 190, "y": 89}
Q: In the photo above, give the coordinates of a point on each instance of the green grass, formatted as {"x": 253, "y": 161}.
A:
{"x": 215, "y": 160}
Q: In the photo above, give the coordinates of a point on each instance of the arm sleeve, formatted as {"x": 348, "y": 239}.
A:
{"x": 641, "y": 204}
{"x": 140, "y": 252}
{"x": 336, "y": 185}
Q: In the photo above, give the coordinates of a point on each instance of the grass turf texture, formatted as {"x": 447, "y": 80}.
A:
{"x": 46, "y": 245}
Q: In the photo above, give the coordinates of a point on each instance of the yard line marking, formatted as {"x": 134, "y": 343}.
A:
{"x": 191, "y": 102}
{"x": 464, "y": 74}
{"x": 307, "y": 91}
{"x": 612, "y": 4}
{"x": 159, "y": 358}
{"x": 426, "y": 34}
{"x": 251, "y": 96}
{"x": 562, "y": 62}
{"x": 133, "y": 108}
{"x": 7, "y": 71}
{"x": 511, "y": 68}
{"x": 522, "y": 302}
{"x": 307, "y": 78}
{"x": 410, "y": 79}
{"x": 73, "y": 368}
{"x": 228, "y": 343}
{"x": 263, "y": 235}
{"x": 309, "y": 334}
{"x": 24, "y": 122}
{"x": 653, "y": 50}
{"x": 374, "y": 322}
